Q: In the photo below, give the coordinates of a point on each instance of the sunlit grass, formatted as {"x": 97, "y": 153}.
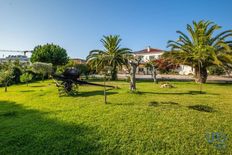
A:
{"x": 35, "y": 120}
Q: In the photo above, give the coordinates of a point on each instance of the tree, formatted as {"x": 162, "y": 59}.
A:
{"x": 50, "y": 53}
{"x": 202, "y": 49}
{"x": 83, "y": 69}
{"x": 26, "y": 77}
{"x": 132, "y": 64}
{"x": 42, "y": 68}
{"x": 153, "y": 68}
{"x": 105, "y": 71}
{"x": 113, "y": 55}
{"x": 6, "y": 74}
{"x": 17, "y": 72}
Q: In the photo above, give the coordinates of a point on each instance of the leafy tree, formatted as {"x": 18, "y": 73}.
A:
{"x": 42, "y": 68}
{"x": 17, "y": 72}
{"x": 6, "y": 74}
{"x": 216, "y": 70}
{"x": 202, "y": 49}
{"x": 26, "y": 77}
{"x": 84, "y": 69}
{"x": 61, "y": 69}
{"x": 162, "y": 65}
{"x": 113, "y": 55}
{"x": 50, "y": 53}
{"x": 165, "y": 65}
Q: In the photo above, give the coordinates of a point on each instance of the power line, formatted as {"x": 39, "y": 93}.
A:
{"x": 16, "y": 51}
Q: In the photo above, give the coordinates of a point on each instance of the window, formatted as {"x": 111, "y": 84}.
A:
{"x": 141, "y": 69}
{"x": 151, "y": 57}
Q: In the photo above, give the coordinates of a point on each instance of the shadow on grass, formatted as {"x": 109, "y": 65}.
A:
{"x": 202, "y": 108}
{"x": 25, "y": 131}
{"x": 176, "y": 93}
{"x": 91, "y": 93}
{"x": 154, "y": 103}
{"x": 27, "y": 91}
{"x": 38, "y": 86}
{"x": 124, "y": 104}
{"x": 221, "y": 84}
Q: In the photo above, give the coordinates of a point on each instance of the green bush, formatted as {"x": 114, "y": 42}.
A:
{"x": 216, "y": 70}
{"x": 16, "y": 75}
{"x": 26, "y": 77}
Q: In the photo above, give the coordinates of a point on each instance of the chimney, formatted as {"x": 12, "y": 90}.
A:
{"x": 148, "y": 48}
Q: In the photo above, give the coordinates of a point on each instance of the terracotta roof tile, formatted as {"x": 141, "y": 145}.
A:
{"x": 148, "y": 50}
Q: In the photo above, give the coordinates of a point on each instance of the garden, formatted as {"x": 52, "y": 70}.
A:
{"x": 52, "y": 105}
{"x": 154, "y": 120}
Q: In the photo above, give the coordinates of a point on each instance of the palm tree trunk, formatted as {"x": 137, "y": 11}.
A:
{"x": 200, "y": 74}
{"x": 114, "y": 74}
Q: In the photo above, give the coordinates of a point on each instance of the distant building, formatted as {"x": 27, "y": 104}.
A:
{"x": 147, "y": 55}
{"x": 21, "y": 58}
{"x": 78, "y": 61}
{"x": 150, "y": 54}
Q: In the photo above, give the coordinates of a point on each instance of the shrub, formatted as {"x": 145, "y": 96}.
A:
{"x": 16, "y": 75}
{"x": 45, "y": 69}
{"x": 216, "y": 70}
{"x": 26, "y": 77}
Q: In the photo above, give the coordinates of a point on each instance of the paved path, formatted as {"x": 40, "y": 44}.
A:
{"x": 220, "y": 79}
{"x": 210, "y": 79}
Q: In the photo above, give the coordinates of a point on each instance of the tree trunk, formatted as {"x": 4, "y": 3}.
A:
{"x": 105, "y": 97}
{"x": 132, "y": 78}
{"x": 154, "y": 74}
{"x": 201, "y": 74}
{"x": 5, "y": 86}
{"x": 43, "y": 78}
{"x": 114, "y": 73}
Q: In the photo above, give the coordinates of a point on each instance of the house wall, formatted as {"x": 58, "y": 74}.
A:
{"x": 182, "y": 70}
{"x": 147, "y": 57}
{"x": 185, "y": 70}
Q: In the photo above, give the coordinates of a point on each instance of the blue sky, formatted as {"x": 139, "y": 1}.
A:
{"x": 78, "y": 25}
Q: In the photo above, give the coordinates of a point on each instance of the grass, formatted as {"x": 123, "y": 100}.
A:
{"x": 180, "y": 120}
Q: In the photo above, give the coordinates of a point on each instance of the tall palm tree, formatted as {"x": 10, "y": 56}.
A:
{"x": 202, "y": 48}
{"x": 112, "y": 55}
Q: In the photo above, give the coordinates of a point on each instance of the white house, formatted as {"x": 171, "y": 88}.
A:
{"x": 149, "y": 54}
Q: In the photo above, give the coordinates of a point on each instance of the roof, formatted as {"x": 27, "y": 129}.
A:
{"x": 148, "y": 51}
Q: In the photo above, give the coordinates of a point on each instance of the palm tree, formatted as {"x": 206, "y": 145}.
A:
{"x": 113, "y": 55}
{"x": 202, "y": 48}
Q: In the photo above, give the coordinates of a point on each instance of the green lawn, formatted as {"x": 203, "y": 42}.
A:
{"x": 35, "y": 120}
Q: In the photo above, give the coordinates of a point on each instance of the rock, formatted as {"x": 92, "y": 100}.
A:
{"x": 166, "y": 85}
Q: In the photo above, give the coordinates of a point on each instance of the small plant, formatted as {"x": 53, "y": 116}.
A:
{"x": 6, "y": 74}
{"x": 26, "y": 77}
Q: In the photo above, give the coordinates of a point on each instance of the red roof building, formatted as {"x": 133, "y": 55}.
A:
{"x": 149, "y": 50}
